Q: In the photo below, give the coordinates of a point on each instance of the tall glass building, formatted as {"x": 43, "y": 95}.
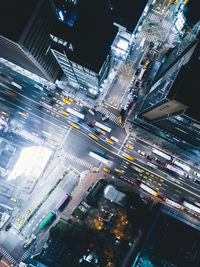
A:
{"x": 24, "y": 36}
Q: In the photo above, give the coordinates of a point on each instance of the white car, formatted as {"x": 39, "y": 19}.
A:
{"x": 79, "y": 103}
{"x": 141, "y": 152}
{"x": 197, "y": 174}
{"x": 60, "y": 102}
{"x": 91, "y": 111}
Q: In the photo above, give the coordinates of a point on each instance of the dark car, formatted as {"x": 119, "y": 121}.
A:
{"x": 97, "y": 132}
{"x": 3, "y": 76}
{"x": 105, "y": 118}
{"x": 137, "y": 72}
{"x": 8, "y": 226}
{"x": 135, "y": 98}
{"x": 159, "y": 161}
{"x": 149, "y": 157}
{"x": 90, "y": 124}
{"x": 138, "y": 84}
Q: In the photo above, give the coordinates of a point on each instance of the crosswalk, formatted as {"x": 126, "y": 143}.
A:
{"x": 78, "y": 160}
{"x": 163, "y": 22}
{"x": 158, "y": 31}
{"x": 26, "y": 254}
{"x": 7, "y": 255}
{"x": 110, "y": 115}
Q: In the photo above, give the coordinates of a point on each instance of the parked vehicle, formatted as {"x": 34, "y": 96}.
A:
{"x": 8, "y": 226}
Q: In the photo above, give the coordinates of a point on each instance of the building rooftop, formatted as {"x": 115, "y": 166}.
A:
{"x": 14, "y": 16}
{"x": 114, "y": 195}
{"x": 91, "y": 38}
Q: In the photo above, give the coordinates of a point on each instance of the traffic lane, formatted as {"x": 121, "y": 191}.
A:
{"x": 80, "y": 144}
{"x": 167, "y": 181}
{"x": 35, "y": 101}
{"x": 119, "y": 90}
{"x": 102, "y": 139}
{"x": 35, "y": 112}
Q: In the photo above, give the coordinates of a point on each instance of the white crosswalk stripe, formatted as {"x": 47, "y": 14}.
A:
{"x": 148, "y": 37}
{"x": 78, "y": 160}
{"x": 163, "y": 22}
{"x": 110, "y": 115}
{"x": 26, "y": 254}
{"x": 7, "y": 255}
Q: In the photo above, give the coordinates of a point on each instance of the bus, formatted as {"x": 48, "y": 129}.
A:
{"x": 98, "y": 157}
{"x": 76, "y": 113}
{"x": 182, "y": 165}
{"x": 149, "y": 190}
{"x": 49, "y": 219}
{"x": 161, "y": 154}
{"x": 174, "y": 169}
{"x": 61, "y": 203}
{"x": 102, "y": 126}
{"x": 191, "y": 207}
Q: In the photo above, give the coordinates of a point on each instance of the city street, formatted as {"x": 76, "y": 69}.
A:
{"x": 83, "y": 138}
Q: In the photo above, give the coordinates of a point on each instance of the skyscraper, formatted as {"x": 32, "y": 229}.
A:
{"x": 172, "y": 104}
{"x": 24, "y": 36}
{"x": 82, "y": 45}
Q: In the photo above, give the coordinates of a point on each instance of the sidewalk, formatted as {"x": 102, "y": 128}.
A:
{"x": 81, "y": 190}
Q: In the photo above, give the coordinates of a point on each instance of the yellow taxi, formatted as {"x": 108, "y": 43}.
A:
{"x": 14, "y": 199}
{"x": 67, "y": 101}
{"x": 47, "y": 133}
{"x": 64, "y": 112}
{"x": 146, "y": 63}
{"x": 19, "y": 220}
{"x": 119, "y": 171}
{"x": 109, "y": 141}
{"x": 93, "y": 137}
{"x": 74, "y": 125}
{"x": 35, "y": 134}
{"x": 106, "y": 170}
{"x": 53, "y": 142}
{"x": 120, "y": 119}
{"x": 101, "y": 131}
{"x": 128, "y": 157}
{"x": 129, "y": 146}
{"x": 27, "y": 212}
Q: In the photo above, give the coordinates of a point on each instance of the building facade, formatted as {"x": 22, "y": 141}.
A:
{"x": 24, "y": 36}
{"x": 82, "y": 48}
{"x": 171, "y": 106}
